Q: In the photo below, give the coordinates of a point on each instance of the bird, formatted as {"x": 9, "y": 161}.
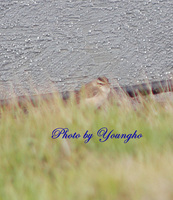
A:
{"x": 96, "y": 92}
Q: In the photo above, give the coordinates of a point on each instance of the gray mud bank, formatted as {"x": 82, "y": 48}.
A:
{"x": 50, "y": 45}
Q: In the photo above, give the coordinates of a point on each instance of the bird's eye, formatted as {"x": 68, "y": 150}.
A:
{"x": 100, "y": 83}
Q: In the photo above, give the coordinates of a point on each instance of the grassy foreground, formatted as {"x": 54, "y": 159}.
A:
{"x": 35, "y": 166}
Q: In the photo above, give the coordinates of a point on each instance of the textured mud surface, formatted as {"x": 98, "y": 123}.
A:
{"x": 46, "y": 45}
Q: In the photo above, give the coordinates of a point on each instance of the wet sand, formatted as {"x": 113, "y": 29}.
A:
{"x": 60, "y": 45}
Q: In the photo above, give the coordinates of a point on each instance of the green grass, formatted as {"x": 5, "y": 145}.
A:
{"x": 35, "y": 166}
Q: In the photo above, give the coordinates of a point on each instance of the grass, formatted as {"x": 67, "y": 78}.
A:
{"x": 35, "y": 166}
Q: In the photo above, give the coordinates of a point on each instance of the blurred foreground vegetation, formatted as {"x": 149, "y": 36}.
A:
{"x": 35, "y": 166}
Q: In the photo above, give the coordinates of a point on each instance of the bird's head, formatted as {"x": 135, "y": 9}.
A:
{"x": 103, "y": 84}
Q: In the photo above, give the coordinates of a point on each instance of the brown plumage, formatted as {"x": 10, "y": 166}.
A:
{"x": 96, "y": 92}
